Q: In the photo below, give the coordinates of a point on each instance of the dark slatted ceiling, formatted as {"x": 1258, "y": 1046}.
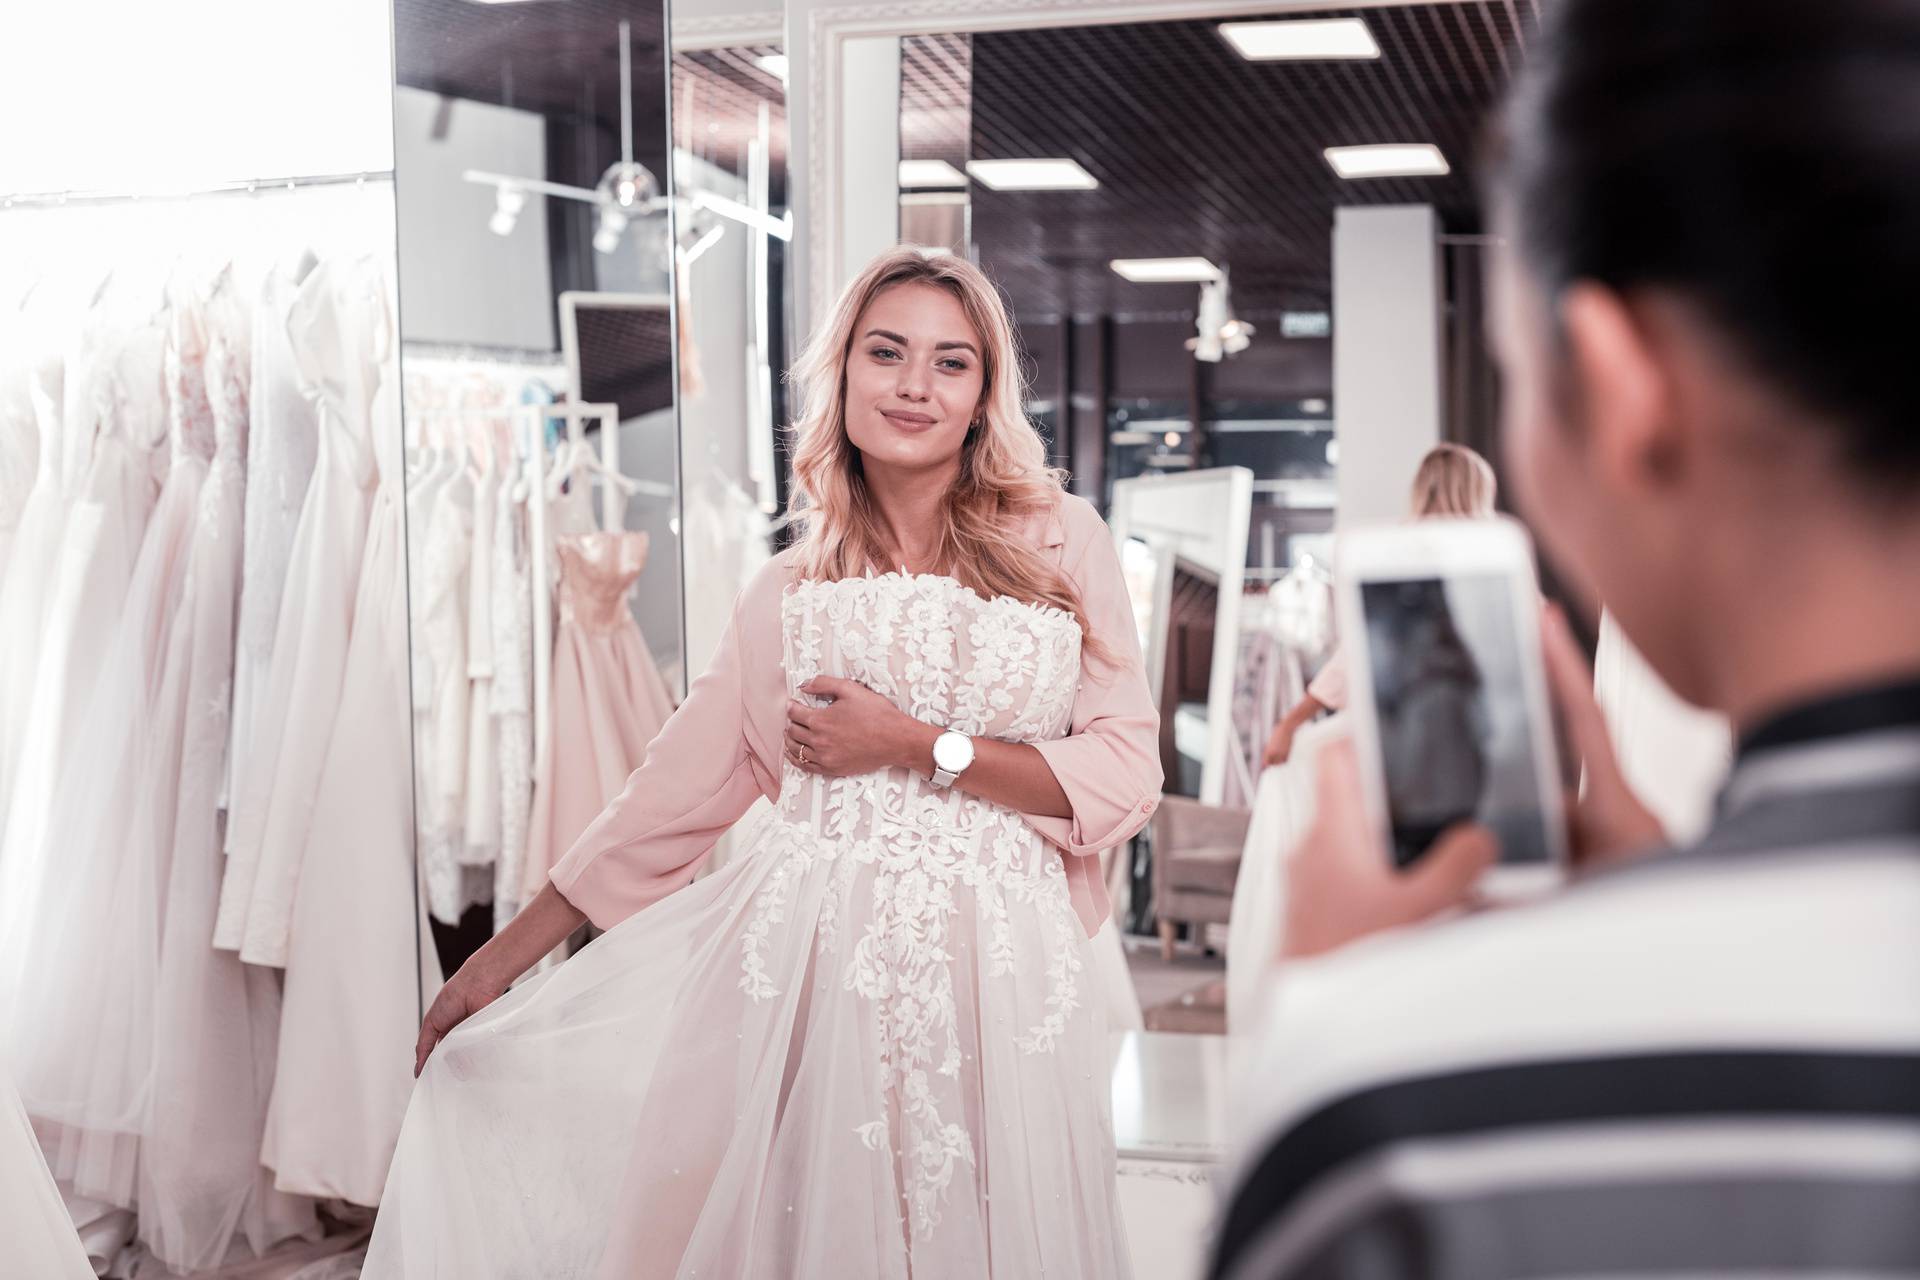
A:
{"x": 1201, "y": 152}
{"x": 717, "y": 95}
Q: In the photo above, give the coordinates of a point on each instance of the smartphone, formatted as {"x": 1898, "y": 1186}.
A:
{"x": 1448, "y": 692}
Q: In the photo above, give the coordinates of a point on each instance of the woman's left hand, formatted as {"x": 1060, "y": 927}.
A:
{"x": 859, "y": 731}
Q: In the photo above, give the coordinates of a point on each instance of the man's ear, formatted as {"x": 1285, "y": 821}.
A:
{"x": 1619, "y": 392}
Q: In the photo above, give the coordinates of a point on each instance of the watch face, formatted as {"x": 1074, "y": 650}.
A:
{"x": 952, "y": 752}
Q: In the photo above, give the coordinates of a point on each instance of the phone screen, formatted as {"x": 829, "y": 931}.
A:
{"x": 1455, "y": 733}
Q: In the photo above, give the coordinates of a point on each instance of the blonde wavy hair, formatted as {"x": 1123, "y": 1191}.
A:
{"x": 1004, "y": 481}
{"x": 1453, "y": 480}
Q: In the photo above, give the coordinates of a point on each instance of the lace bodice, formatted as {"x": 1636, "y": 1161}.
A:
{"x": 596, "y": 572}
{"x": 995, "y": 668}
{"x": 190, "y": 424}
{"x": 229, "y": 371}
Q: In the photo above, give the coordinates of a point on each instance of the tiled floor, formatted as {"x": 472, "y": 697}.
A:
{"x": 1186, "y": 995}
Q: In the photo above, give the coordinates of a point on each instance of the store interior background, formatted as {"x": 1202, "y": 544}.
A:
{"x": 477, "y": 148}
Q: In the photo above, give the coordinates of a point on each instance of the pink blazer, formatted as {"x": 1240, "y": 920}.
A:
{"x": 722, "y": 747}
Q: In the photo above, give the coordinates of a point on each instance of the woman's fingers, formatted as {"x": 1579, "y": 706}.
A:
{"x": 440, "y": 1019}
{"x": 794, "y": 747}
{"x": 830, "y": 687}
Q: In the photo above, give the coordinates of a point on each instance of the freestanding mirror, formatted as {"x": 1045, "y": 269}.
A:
{"x": 1192, "y": 528}
{"x": 537, "y": 223}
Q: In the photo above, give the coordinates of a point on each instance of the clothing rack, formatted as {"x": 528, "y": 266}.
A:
{"x": 243, "y": 186}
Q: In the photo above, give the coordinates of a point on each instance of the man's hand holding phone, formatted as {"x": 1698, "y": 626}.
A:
{"x": 1342, "y": 886}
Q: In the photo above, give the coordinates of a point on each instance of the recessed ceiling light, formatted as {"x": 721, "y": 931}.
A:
{"x": 1301, "y": 40}
{"x": 1392, "y": 160}
{"x": 930, "y": 173}
{"x": 774, "y": 64}
{"x": 1032, "y": 175}
{"x": 1165, "y": 270}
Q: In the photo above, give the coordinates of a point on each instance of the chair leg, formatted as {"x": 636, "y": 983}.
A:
{"x": 1166, "y": 940}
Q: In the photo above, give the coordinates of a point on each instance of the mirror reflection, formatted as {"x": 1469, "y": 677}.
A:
{"x": 536, "y": 229}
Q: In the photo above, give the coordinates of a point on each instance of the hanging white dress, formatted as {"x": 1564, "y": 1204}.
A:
{"x": 481, "y": 821}
{"x": 361, "y": 965}
{"x": 273, "y": 811}
{"x": 283, "y": 443}
{"x": 41, "y": 1242}
{"x": 19, "y": 429}
{"x": 443, "y": 696}
{"x": 23, "y": 593}
{"x": 202, "y": 1187}
{"x": 512, "y": 699}
{"x": 124, "y": 415}
{"x": 85, "y": 1014}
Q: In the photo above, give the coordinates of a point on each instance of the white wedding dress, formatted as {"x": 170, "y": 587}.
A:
{"x": 872, "y": 1045}
{"x": 40, "y": 1240}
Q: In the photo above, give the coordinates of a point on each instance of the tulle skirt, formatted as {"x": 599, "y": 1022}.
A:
{"x": 40, "y": 1238}
{"x": 832, "y": 1058}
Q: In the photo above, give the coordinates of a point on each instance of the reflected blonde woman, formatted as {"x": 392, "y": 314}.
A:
{"x": 1452, "y": 482}
{"x": 870, "y": 1045}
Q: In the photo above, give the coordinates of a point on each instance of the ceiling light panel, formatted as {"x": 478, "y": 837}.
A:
{"x": 918, "y": 175}
{"x": 1032, "y": 175}
{"x": 1165, "y": 270}
{"x": 1300, "y": 41}
{"x": 1390, "y": 160}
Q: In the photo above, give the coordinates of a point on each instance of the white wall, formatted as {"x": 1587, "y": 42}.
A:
{"x": 1386, "y": 354}
{"x": 129, "y": 95}
{"x": 459, "y": 283}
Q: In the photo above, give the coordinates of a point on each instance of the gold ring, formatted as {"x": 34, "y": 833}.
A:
{"x": 800, "y": 756}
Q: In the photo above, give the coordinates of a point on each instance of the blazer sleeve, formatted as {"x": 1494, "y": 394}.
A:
{"x": 699, "y": 777}
{"x": 1109, "y": 762}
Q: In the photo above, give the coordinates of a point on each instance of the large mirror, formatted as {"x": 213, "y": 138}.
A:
{"x": 538, "y": 342}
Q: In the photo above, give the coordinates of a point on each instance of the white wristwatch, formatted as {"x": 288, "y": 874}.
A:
{"x": 952, "y": 753}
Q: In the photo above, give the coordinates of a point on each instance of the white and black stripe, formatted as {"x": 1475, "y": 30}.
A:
{"x": 1707, "y": 1062}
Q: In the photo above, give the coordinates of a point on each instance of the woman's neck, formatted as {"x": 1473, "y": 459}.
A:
{"x": 909, "y": 505}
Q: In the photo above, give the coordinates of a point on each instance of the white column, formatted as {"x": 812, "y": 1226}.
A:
{"x": 1387, "y": 341}
{"x": 869, "y": 196}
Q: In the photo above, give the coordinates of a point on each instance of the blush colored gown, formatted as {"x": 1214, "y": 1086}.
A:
{"x": 871, "y": 1045}
{"x": 608, "y": 698}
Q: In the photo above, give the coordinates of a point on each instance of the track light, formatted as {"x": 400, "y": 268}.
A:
{"x": 613, "y": 224}
{"x": 1221, "y": 333}
{"x": 508, "y": 201}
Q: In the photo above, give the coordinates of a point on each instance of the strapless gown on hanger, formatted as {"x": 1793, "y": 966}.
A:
{"x": 608, "y": 697}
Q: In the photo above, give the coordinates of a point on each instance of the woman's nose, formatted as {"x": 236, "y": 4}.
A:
{"x": 913, "y": 383}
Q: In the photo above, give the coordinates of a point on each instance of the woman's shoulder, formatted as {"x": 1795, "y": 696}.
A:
{"x": 1072, "y": 524}
{"x": 769, "y": 582}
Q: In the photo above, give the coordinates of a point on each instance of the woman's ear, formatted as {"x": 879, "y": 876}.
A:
{"x": 1620, "y": 394}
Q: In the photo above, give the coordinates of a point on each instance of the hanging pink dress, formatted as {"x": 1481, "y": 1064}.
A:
{"x": 608, "y": 698}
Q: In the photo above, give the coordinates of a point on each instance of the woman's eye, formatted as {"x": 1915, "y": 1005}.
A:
{"x": 957, "y": 365}
{"x": 884, "y": 353}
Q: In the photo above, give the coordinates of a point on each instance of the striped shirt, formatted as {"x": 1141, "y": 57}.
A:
{"x": 1704, "y": 1063}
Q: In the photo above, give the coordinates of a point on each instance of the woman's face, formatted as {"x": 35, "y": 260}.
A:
{"x": 915, "y": 377}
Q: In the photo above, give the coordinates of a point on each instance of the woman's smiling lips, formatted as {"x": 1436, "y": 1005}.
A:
{"x": 908, "y": 420}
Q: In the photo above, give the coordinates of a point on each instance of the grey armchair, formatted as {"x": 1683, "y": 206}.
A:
{"x": 1196, "y": 859}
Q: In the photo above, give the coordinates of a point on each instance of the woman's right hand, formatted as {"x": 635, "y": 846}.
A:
{"x": 465, "y": 994}
{"x": 1280, "y": 745}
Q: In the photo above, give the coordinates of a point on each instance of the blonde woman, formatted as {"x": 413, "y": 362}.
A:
{"x": 870, "y": 1046}
{"x": 1453, "y": 481}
